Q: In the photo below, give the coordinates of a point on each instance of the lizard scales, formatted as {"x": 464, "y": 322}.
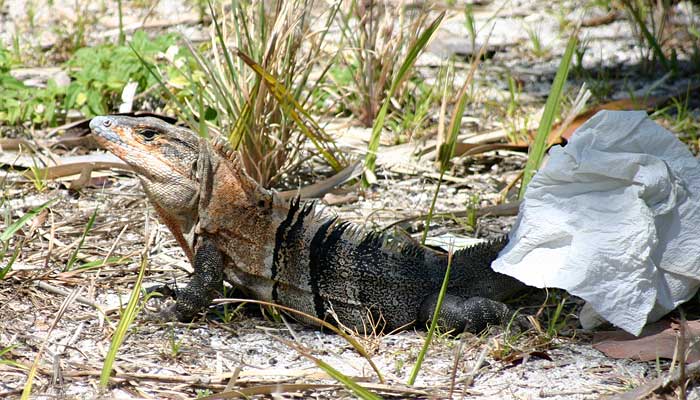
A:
{"x": 290, "y": 252}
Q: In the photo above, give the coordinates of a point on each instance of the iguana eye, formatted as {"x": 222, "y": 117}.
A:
{"x": 148, "y": 134}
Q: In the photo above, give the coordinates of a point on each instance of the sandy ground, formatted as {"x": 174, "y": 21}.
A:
{"x": 177, "y": 360}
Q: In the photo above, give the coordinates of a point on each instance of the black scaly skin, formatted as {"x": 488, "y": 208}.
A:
{"x": 322, "y": 264}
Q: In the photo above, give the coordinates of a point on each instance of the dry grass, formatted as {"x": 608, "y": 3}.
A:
{"x": 179, "y": 360}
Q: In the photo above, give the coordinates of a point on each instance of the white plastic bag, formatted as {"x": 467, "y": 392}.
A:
{"x": 614, "y": 218}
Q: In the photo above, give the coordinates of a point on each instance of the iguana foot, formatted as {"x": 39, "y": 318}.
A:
{"x": 164, "y": 291}
{"x": 473, "y": 315}
{"x": 166, "y": 313}
{"x": 181, "y": 310}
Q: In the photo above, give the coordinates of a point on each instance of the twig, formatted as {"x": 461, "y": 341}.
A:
{"x": 469, "y": 379}
{"x": 63, "y": 292}
{"x": 673, "y": 379}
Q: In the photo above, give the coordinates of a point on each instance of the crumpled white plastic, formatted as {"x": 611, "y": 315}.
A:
{"x": 614, "y": 218}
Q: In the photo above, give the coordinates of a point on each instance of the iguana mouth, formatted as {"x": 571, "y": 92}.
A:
{"x": 103, "y": 128}
{"x": 115, "y": 138}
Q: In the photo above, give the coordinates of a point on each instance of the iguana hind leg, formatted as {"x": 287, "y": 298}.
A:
{"x": 466, "y": 315}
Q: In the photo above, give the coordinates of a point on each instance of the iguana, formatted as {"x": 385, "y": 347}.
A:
{"x": 292, "y": 252}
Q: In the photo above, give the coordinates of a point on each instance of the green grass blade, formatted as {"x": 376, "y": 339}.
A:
{"x": 116, "y": 260}
{"x": 6, "y": 268}
{"x": 74, "y": 256}
{"x": 433, "y": 323}
{"x": 551, "y": 109}
{"x": 358, "y": 390}
{"x": 10, "y": 362}
{"x": 346, "y": 381}
{"x": 647, "y": 35}
{"x": 124, "y": 323}
{"x": 292, "y": 107}
{"x": 447, "y": 150}
{"x": 414, "y": 51}
{"x": 17, "y": 225}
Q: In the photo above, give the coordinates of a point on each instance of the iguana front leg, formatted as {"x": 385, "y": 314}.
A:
{"x": 472, "y": 314}
{"x": 204, "y": 284}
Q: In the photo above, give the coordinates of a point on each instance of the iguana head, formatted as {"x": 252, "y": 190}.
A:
{"x": 194, "y": 186}
{"x": 164, "y": 156}
{"x": 156, "y": 150}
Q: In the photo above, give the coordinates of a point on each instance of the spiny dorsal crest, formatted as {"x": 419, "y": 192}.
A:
{"x": 224, "y": 150}
{"x": 222, "y": 146}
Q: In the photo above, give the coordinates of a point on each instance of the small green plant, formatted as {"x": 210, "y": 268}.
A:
{"x": 649, "y": 26}
{"x": 470, "y": 24}
{"x": 100, "y": 73}
{"x": 579, "y": 53}
{"x": 228, "y": 312}
{"x": 679, "y": 118}
{"x": 203, "y": 393}
{"x": 30, "y": 9}
{"x": 539, "y": 49}
{"x": 16, "y": 48}
{"x": 175, "y": 345}
{"x": 518, "y": 119}
{"x": 416, "y": 107}
{"x": 38, "y": 176}
{"x": 555, "y": 320}
{"x": 71, "y": 34}
{"x": 472, "y": 208}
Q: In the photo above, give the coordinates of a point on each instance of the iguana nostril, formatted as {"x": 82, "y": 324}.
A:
{"x": 107, "y": 123}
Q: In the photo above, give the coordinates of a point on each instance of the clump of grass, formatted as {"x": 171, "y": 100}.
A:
{"x": 401, "y": 74}
{"x": 373, "y": 44}
{"x": 259, "y": 100}
{"x": 650, "y": 18}
{"x": 538, "y": 47}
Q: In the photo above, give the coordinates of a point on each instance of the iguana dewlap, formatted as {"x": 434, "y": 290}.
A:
{"x": 291, "y": 253}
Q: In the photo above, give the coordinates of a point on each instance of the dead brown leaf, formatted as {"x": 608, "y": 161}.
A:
{"x": 657, "y": 340}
